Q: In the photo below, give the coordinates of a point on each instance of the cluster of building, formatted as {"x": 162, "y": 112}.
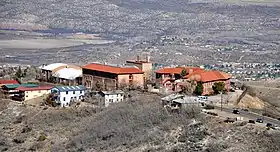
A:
{"x": 171, "y": 79}
{"x": 249, "y": 71}
{"x": 63, "y": 96}
{"x": 109, "y": 80}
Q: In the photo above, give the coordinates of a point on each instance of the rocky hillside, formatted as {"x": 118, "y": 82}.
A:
{"x": 135, "y": 126}
{"x": 138, "y": 18}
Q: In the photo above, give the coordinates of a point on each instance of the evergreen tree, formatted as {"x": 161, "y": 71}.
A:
{"x": 198, "y": 89}
{"x": 19, "y": 73}
{"x": 183, "y": 72}
{"x": 218, "y": 87}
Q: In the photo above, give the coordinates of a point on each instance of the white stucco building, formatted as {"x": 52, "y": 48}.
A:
{"x": 65, "y": 95}
{"x": 108, "y": 97}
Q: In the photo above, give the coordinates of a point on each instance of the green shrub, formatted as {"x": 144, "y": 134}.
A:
{"x": 208, "y": 107}
{"x": 42, "y": 137}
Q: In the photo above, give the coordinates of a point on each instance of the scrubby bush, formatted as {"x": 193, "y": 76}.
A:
{"x": 130, "y": 125}
{"x": 42, "y": 137}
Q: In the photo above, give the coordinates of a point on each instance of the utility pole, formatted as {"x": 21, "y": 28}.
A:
{"x": 221, "y": 101}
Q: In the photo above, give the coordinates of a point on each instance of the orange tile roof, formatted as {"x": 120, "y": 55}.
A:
{"x": 112, "y": 69}
{"x": 177, "y": 70}
{"x": 208, "y": 76}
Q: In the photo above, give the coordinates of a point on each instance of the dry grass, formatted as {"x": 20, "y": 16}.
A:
{"x": 141, "y": 125}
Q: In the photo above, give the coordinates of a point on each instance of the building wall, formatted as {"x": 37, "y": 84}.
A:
{"x": 34, "y": 94}
{"x": 64, "y": 98}
{"x": 147, "y": 69}
{"x": 99, "y": 83}
{"x": 113, "y": 98}
{"x": 123, "y": 80}
{"x": 207, "y": 87}
{"x": 137, "y": 80}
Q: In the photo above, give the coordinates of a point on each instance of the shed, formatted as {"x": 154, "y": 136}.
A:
{"x": 109, "y": 97}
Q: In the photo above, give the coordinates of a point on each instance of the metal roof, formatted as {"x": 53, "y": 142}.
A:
{"x": 69, "y": 88}
{"x": 14, "y": 86}
{"x": 8, "y": 82}
{"x": 68, "y": 73}
{"x": 172, "y": 97}
{"x": 22, "y": 88}
{"x": 187, "y": 100}
{"x": 112, "y": 92}
{"x": 53, "y": 66}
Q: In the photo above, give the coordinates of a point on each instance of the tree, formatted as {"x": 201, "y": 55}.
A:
{"x": 19, "y": 73}
{"x": 218, "y": 87}
{"x": 183, "y": 72}
{"x": 198, "y": 89}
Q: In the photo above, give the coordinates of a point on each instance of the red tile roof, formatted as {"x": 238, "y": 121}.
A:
{"x": 22, "y": 88}
{"x": 208, "y": 76}
{"x": 112, "y": 69}
{"x": 8, "y": 82}
{"x": 178, "y": 70}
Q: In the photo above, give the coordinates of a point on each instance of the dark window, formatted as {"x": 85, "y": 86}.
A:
{"x": 66, "y": 92}
{"x": 81, "y": 92}
{"x": 64, "y": 98}
{"x": 73, "y": 92}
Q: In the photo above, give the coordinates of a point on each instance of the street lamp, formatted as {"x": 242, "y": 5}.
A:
{"x": 221, "y": 100}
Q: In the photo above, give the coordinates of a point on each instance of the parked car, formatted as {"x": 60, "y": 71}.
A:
{"x": 235, "y": 111}
{"x": 269, "y": 125}
{"x": 251, "y": 121}
{"x": 230, "y": 120}
{"x": 259, "y": 120}
{"x": 212, "y": 113}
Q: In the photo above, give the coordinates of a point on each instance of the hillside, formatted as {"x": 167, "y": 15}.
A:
{"x": 150, "y": 18}
{"x": 136, "y": 126}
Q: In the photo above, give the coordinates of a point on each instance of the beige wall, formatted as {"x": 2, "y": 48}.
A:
{"x": 123, "y": 80}
{"x": 138, "y": 80}
{"x": 145, "y": 67}
{"x": 34, "y": 94}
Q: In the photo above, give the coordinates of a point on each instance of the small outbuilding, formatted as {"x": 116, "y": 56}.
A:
{"x": 109, "y": 97}
{"x": 27, "y": 93}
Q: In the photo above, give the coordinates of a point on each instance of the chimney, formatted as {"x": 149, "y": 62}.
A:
{"x": 147, "y": 58}
{"x": 138, "y": 58}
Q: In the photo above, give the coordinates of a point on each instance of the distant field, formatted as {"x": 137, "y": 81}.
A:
{"x": 264, "y": 2}
{"x": 46, "y": 43}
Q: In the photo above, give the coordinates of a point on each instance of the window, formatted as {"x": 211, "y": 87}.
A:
{"x": 81, "y": 92}
{"x": 110, "y": 100}
{"x": 73, "y": 92}
{"x": 64, "y": 98}
{"x": 117, "y": 100}
{"x": 66, "y": 92}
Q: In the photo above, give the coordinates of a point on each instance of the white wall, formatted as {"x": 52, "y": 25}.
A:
{"x": 64, "y": 99}
{"x": 113, "y": 98}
